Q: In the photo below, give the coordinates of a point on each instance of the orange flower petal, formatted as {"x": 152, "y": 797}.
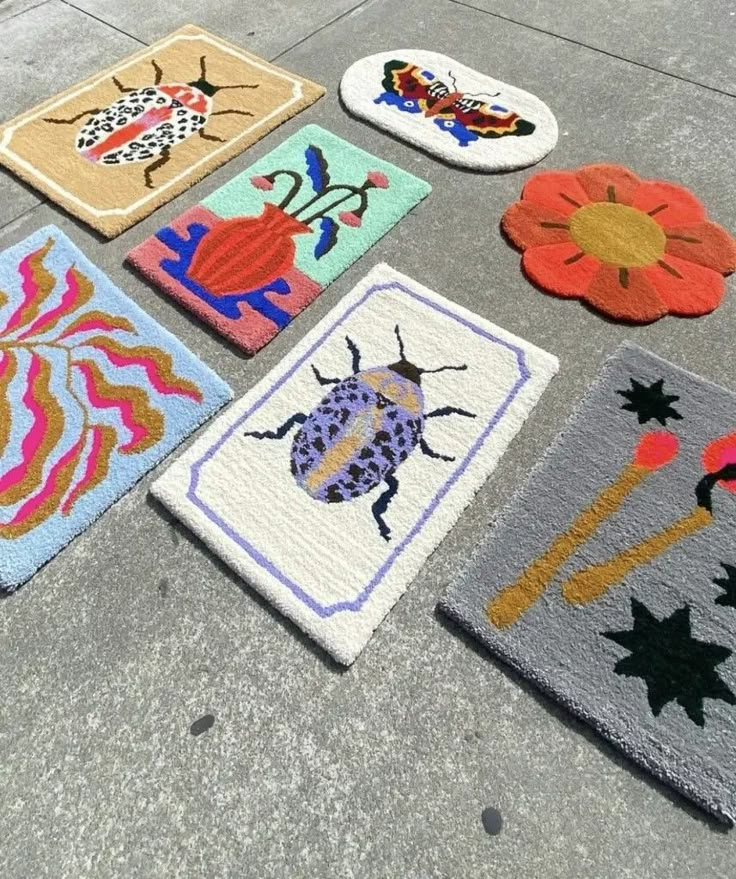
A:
{"x": 706, "y": 244}
{"x": 612, "y": 183}
{"x": 556, "y": 190}
{"x": 560, "y": 268}
{"x": 625, "y": 294}
{"x": 667, "y": 203}
{"x": 687, "y": 288}
{"x": 529, "y": 225}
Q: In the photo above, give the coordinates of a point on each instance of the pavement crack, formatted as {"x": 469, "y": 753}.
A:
{"x": 540, "y": 30}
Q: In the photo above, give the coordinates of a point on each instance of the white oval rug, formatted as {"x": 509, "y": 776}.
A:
{"x": 452, "y": 111}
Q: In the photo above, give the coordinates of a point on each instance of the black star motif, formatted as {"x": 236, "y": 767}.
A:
{"x": 650, "y": 402}
{"x": 674, "y": 665}
{"x": 728, "y": 584}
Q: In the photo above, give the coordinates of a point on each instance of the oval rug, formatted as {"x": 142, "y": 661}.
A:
{"x": 452, "y": 111}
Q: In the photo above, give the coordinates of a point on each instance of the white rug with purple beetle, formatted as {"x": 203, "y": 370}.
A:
{"x": 328, "y": 485}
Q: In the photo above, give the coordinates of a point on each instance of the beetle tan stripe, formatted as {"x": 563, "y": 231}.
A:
{"x": 337, "y": 457}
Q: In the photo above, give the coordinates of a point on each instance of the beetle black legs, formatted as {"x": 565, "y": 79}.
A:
{"x": 73, "y": 119}
{"x": 157, "y": 81}
{"x": 355, "y": 353}
{"x": 206, "y": 136}
{"x": 322, "y": 380}
{"x": 231, "y": 112}
{"x": 154, "y": 166}
{"x": 449, "y": 410}
{"x": 430, "y": 452}
{"x": 441, "y": 413}
{"x": 280, "y": 432}
{"x": 380, "y": 505}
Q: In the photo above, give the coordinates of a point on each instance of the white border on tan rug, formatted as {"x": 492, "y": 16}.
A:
{"x": 296, "y": 94}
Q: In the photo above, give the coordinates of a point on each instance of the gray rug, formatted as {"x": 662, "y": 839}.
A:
{"x": 610, "y": 579}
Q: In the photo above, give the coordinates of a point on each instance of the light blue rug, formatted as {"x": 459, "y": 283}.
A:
{"x": 93, "y": 394}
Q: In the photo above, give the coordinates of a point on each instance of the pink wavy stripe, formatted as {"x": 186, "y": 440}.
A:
{"x": 87, "y": 325}
{"x": 150, "y": 368}
{"x": 124, "y": 406}
{"x": 32, "y": 440}
{"x": 67, "y": 301}
{"x": 29, "y": 286}
{"x": 31, "y": 505}
{"x": 4, "y": 364}
{"x": 89, "y": 470}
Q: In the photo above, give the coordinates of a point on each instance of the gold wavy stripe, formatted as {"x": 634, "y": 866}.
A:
{"x": 143, "y": 413}
{"x": 55, "y": 427}
{"x": 164, "y": 362}
{"x": 6, "y": 410}
{"x": 49, "y": 506}
{"x": 114, "y": 321}
{"x": 45, "y": 283}
{"x": 109, "y": 441}
{"x": 86, "y": 289}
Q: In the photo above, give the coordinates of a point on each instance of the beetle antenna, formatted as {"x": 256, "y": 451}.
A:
{"x": 202, "y": 67}
{"x": 443, "y": 368}
{"x": 401, "y": 342}
{"x": 454, "y": 81}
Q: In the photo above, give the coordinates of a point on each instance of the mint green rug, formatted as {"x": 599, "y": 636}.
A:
{"x": 258, "y": 250}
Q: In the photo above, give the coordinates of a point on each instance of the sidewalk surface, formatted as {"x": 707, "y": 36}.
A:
{"x": 135, "y": 631}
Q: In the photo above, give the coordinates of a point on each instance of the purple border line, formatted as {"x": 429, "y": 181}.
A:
{"x": 355, "y": 605}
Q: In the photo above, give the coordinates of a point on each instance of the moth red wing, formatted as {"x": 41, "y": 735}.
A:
{"x": 409, "y": 80}
{"x": 486, "y": 122}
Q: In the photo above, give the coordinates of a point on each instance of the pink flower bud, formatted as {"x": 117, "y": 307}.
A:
{"x": 350, "y": 218}
{"x": 378, "y": 179}
{"x": 261, "y": 182}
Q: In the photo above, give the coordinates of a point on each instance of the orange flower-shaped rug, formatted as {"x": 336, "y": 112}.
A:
{"x": 634, "y": 249}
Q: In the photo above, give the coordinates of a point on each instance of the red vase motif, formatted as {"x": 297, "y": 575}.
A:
{"x": 246, "y": 253}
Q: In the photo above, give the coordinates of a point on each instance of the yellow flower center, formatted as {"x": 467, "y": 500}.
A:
{"x": 617, "y": 234}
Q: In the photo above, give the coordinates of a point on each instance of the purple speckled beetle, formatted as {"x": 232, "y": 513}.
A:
{"x": 357, "y": 436}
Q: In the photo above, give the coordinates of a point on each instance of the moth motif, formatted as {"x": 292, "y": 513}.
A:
{"x": 466, "y": 117}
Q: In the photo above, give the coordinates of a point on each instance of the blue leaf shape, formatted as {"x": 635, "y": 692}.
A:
{"x": 317, "y": 168}
{"x": 327, "y": 237}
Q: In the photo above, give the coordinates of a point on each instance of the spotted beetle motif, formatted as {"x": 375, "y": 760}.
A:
{"x": 148, "y": 122}
{"x": 354, "y": 440}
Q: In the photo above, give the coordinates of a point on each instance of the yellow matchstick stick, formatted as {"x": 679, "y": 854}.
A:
{"x": 654, "y": 450}
{"x": 592, "y": 582}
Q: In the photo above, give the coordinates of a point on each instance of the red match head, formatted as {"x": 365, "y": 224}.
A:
{"x": 719, "y": 454}
{"x": 656, "y": 449}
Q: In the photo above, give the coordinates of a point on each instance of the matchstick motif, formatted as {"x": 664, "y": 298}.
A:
{"x": 719, "y": 461}
{"x": 655, "y": 450}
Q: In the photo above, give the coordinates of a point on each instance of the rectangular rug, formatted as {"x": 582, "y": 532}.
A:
{"x": 258, "y": 250}
{"x": 610, "y": 579}
{"x": 115, "y": 147}
{"x": 93, "y": 394}
{"x": 329, "y": 484}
